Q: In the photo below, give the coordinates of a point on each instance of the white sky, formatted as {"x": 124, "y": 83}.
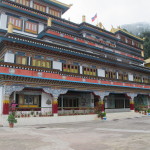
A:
{"x": 110, "y": 12}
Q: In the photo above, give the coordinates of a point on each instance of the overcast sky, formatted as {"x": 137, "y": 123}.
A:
{"x": 110, "y": 12}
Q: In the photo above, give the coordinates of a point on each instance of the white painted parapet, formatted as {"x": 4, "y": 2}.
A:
{"x": 9, "y": 57}
{"x": 57, "y": 65}
{"x": 101, "y": 72}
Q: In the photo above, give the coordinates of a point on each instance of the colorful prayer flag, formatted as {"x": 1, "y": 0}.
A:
{"x": 93, "y": 18}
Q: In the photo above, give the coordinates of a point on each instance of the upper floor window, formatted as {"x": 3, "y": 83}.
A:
{"x": 39, "y": 7}
{"x": 17, "y": 22}
{"x": 24, "y": 2}
{"x": 31, "y": 27}
{"x": 70, "y": 68}
{"x": 21, "y": 58}
{"x": 54, "y": 12}
{"x": 110, "y": 74}
{"x": 123, "y": 38}
{"x": 137, "y": 78}
{"x": 89, "y": 71}
{"x": 122, "y": 76}
{"x": 36, "y": 61}
{"x": 129, "y": 41}
{"x": 146, "y": 80}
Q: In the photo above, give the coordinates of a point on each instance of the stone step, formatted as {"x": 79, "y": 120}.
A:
{"x": 123, "y": 115}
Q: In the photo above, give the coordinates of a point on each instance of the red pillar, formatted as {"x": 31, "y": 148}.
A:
{"x": 131, "y": 104}
{"x": 55, "y": 106}
{"x": 5, "y": 107}
{"x": 102, "y": 106}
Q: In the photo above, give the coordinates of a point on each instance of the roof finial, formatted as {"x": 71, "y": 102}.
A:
{"x": 83, "y": 18}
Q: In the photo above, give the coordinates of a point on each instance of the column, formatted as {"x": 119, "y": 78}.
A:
{"x": 131, "y": 98}
{"x": 55, "y": 105}
{"x": 55, "y": 93}
{"x": 101, "y": 100}
{"x": 6, "y": 105}
{"x": 7, "y": 92}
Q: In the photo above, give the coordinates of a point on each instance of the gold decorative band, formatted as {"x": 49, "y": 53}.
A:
{"x": 55, "y": 102}
{"x": 5, "y": 101}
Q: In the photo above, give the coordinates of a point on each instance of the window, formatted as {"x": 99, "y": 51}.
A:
{"x": 110, "y": 74}
{"x": 146, "y": 80}
{"x": 41, "y": 63}
{"x": 31, "y": 27}
{"x": 28, "y": 100}
{"x": 17, "y": 23}
{"x": 70, "y": 68}
{"x": 24, "y": 2}
{"x": 123, "y": 38}
{"x": 89, "y": 71}
{"x": 129, "y": 41}
{"x": 54, "y": 12}
{"x": 39, "y": 7}
{"x": 122, "y": 76}
{"x": 137, "y": 78}
{"x": 21, "y": 58}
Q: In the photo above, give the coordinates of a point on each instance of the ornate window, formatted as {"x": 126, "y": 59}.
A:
{"x": 137, "y": 78}
{"x": 122, "y": 76}
{"x": 89, "y": 71}
{"x": 70, "y": 68}
{"x": 20, "y": 58}
{"x": 24, "y": 2}
{"x": 146, "y": 80}
{"x": 110, "y": 74}
{"x": 31, "y": 27}
{"x": 28, "y": 100}
{"x": 54, "y": 12}
{"x": 41, "y": 63}
{"x": 39, "y": 7}
{"x": 17, "y": 22}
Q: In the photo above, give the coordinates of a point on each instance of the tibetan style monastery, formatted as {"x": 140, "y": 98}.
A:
{"x": 51, "y": 66}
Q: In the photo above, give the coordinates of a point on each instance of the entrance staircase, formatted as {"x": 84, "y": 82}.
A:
{"x": 123, "y": 115}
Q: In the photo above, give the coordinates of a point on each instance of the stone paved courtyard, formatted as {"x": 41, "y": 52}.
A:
{"x": 123, "y": 134}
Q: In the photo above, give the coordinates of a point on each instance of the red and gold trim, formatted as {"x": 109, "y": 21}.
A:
{"x": 5, "y": 107}
{"x": 131, "y": 105}
{"x": 55, "y": 106}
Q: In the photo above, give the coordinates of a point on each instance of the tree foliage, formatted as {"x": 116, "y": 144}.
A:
{"x": 146, "y": 36}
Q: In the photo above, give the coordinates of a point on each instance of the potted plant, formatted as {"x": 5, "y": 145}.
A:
{"x": 104, "y": 115}
{"x": 11, "y": 119}
{"x": 148, "y": 111}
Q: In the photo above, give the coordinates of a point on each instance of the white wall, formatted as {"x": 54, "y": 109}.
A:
{"x": 101, "y": 72}
{"x": 130, "y": 77}
{"x": 3, "y": 21}
{"x": 44, "y": 98}
{"x": 9, "y": 57}
{"x": 81, "y": 69}
{"x": 41, "y": 27}
{"x": 57, "y": 65}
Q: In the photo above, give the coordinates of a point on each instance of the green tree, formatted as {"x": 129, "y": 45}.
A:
{"x": 146, "y": 36}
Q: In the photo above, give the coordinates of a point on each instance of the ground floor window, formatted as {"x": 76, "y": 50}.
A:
{"x": 28, "y": 100}
{"x": 68, "y": 102}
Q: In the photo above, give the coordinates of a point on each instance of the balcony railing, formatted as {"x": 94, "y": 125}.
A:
{"x": 48, "y": 70}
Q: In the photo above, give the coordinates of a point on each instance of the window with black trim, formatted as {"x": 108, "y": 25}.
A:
{"x": 70, "y": 68}
{"x": 89, "y": 71}
{"x": 23, "y": 2}
{"x": 137, "y": 78}
{"x": 122, "y": 76}
{"x": 54, "y": 12}
{"x": 39, "y": 7}
{"x": 21, "y": 58}
{"x": 41, "y": 62}
{"x": 31, "y": 27}
{"x": 110, "y": 74}
{"x": 17, "y": 22}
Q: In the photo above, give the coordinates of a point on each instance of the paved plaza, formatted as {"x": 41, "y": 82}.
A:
{"x": 122, "y": 134}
